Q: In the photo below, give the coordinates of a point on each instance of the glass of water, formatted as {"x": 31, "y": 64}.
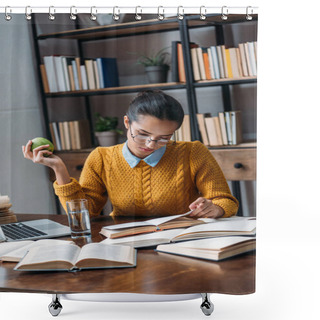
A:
{"x": 79, "y": 218}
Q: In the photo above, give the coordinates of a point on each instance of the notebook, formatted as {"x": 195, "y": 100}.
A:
{"x": 33, "y": 230}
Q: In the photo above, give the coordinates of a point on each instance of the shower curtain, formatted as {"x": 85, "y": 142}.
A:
{"x": 58, "y": 71}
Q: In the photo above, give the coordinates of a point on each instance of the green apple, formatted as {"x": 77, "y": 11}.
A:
{"x": 37, "y": 142}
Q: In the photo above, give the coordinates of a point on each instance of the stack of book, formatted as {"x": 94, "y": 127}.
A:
{"x": 216, "y": 62}
{"x": 6, "y": 214}
{"x": 62, "y": 73}
{"x": 212, "y": 239}
{"x": 70, "y": 135}
{"x": 224, "y": 129}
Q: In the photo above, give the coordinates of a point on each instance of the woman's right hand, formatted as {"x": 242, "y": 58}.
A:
{"x": 52, "y": 161}
{"x": 38, "y": 155}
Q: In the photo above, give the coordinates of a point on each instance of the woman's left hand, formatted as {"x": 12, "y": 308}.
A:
{"x": 204, "y": 208}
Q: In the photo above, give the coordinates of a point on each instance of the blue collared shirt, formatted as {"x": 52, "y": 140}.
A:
{"x": 152, "y": 159}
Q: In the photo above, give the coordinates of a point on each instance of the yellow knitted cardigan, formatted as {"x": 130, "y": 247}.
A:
{"x": 186, "y": 172}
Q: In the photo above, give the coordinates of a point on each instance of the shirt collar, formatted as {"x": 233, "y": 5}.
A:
{"x": 152, "y": 159}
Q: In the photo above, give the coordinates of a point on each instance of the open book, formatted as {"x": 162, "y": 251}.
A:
{"x": 72, "y": 257}
{"x": 16, "y": 250}
{"x": 211, "y": 249}
{"x": 151, "y": 225}
{"x": 233, "y": 226}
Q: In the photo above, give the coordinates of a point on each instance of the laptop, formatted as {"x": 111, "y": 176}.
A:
{"x": 33, "y": 230}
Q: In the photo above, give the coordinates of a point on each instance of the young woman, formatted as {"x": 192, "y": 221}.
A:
{"x": 149, "y": 174}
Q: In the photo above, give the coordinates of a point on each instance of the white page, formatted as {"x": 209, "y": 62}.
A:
{"x": 106, "y": 252}
{"x": 165, "y": 235}
{"x": 41, "y": 254}
{"x": 223, "y": 225}
{"x": 152, "y": 222}
{"x": 21, "y": 251}
{"x": 7, "y": 247}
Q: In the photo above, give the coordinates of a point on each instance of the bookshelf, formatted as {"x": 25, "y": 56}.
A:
{"x": 85, "y": 36}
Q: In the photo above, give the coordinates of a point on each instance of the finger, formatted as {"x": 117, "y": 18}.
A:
{"x": 196, "y": 203}
{"x": 202, "y": 207}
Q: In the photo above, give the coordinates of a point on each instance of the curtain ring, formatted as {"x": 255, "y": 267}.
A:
{"x": 51, "y": 13}
{"x": 6, "y": 14}
{"x": 115, "y": 15}
{"x": 160, "y": 15}
{"x": 28, "y": 13}
{"x": 73, "y": 13}
{"x": 203, "y": 12}
{"x": 224, "y": 13}
{"x": 180, "y": 13}
{"x": 138, "y": 16}
{"x": 93, "y": 17}
{"x": 248, "y": 16}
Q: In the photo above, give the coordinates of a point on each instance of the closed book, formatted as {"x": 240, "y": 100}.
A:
{"x": 234, "y": 63}
{"x": 195, "y": 64}
{"x": 212, "y": 131}
{"x": 186, "y": 130}
{"x": 72, "y": 135}
{"x": 214, "y": 249}
{"x": 243, "y": 60}
{"x": 100, "y": 72}
{"x": 110, "y": 72}
{"x": 56, "y": 135}
{"x": 51, "y": 73}
{"x": 228, "y": 127}
{"x": 228, "y": 61}
{"x": 71, "y": 77}
{"x": 66, "y": 131}
{"x": 215, "y": 62}
{"x": 65, "y": 73}
{"x": 206, "y": 63}
{"x": 90, "y": 74}
{"x": 62, "y": 135}
{"x": 202, "y": 127}
{"x": 223, "y": 128}
{"x": 212, "y": 75}
{"x": 252, "y": 58}
{"x": 53, "y": 136}
{"x": 221, "y": 63}
{"x": 236, "y": 125}
{"x": 84, "y": 77}
{"x": 72, "y": 257}
{"x": 181, "y": 69}
{"x": 96, "y": 74}
{"x": 201, "y": 63}
{"x": 44, "y": 79}
{"x": 78, "y": 64}
{"x": 246, "y": 50}
{"x": 75, "y": 75}
{"x": 61, "y": 82}
{"x": 224, "y": 62}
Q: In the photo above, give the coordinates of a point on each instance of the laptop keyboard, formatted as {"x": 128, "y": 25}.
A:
{"x": 20, "y": 231}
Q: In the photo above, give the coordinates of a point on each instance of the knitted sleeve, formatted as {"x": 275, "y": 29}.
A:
{"x": 209, "y": 179}
{"x": 90, "y": 185}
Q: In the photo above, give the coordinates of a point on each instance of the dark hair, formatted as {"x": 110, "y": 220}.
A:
{"x": 157, "y": 104}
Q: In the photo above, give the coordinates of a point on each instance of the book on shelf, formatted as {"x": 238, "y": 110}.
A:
{"x": 223, "y": 129}
{"x": 214, "y": 249}
{"x": 64, "y": 73}
{"x": 209, "y": 228}
{"x": 184, "y": 132}
{"x": 6, "y": 214}
{"x": 73, "y": 258}
{"x": 70, "y": 135}
{"x": 151, "y": 225}
{"x": 14, "y": 251}
{"x": 220, "y": 62}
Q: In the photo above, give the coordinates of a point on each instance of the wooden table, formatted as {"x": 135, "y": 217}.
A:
{"x": 155, "y": 273}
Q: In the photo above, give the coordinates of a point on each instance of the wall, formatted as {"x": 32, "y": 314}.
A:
{"x": 24, "y": 182}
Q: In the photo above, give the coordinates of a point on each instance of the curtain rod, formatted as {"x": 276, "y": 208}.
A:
{"x": 160, "y": 10}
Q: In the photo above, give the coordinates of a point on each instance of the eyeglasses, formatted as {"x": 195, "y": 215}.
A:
{"x": 139, "y": 138}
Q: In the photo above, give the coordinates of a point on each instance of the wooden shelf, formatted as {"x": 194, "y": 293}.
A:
{"x": 142, "y": 27}
{"x": 162, "y": 86}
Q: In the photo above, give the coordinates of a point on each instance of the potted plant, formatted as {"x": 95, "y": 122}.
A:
{"x": 106, "y": 130}
{"x": 156, "y": 66}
